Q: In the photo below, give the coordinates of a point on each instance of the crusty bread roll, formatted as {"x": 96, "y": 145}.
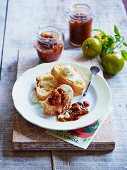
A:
{"x": 66, "y": 74}
{"x": 44, "y": 85}
{"x": 59, "y": 100}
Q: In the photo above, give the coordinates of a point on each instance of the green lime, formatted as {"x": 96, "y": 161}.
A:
{"x": 91, "y": 47}
{"x": 112, "y": 63}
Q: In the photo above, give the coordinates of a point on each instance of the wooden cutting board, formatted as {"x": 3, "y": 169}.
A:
{"x": 27, "y": 136}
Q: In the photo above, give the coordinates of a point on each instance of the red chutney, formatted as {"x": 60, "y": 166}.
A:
{"x": 80, "y": 31}
{"x": 49, "y": 50}
{"x": 74, "y": 112}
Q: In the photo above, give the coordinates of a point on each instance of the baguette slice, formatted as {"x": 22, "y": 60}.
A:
{"x": 59, "y": 100}
{"x": 44, "y": 85}
{"x": 66, "y": 74}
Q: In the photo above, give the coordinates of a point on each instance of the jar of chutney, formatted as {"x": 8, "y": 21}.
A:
{"x": 80, "y": 23}
{"x": 49, "y": 44}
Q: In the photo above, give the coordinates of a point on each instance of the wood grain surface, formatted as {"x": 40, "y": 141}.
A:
{"x": 22, "y": 20}
{"x": 26, "y": 136}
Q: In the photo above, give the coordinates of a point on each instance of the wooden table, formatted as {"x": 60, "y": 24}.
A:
{"x": 18, "y": 24}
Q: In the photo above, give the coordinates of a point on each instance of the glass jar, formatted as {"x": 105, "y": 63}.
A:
{"x": 80, "y": 23}
{"x": 49, "y": 43}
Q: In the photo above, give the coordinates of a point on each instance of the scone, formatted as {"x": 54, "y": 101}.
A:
{"x": 66, "y": 74}
{"x": 59, "y": 100}
{"x": 44, "y": 85}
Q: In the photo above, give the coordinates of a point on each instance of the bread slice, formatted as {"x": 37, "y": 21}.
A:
{"x": 59, "y": 100}
{"x": 68, "y": 75}
{"x": 44, "y": 85}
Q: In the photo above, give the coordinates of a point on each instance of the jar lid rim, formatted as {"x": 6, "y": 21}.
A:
{"x": 73, "y": 9}
{"x": 46, "y": 29}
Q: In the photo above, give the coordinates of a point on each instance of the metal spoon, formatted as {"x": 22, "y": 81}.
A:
{"x": 94, "y": 70}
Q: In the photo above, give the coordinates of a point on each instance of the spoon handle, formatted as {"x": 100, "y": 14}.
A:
{"x": 85, "y": 92}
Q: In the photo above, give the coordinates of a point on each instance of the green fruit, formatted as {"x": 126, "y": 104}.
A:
{"x": 104, "y": 42}
{"x": 91, "y": 47}
{"x": 112, "y": 63}
{"x": 98, "y": 36}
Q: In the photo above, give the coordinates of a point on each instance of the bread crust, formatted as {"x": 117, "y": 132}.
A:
{"x": 43, "y": 89}
{"x": 77, "y": 88}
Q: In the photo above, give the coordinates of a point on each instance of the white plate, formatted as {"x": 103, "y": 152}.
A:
{"x": 99, "y": 96}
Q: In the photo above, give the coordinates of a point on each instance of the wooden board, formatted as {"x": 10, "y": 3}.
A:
{"x": 26, "y": 136}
